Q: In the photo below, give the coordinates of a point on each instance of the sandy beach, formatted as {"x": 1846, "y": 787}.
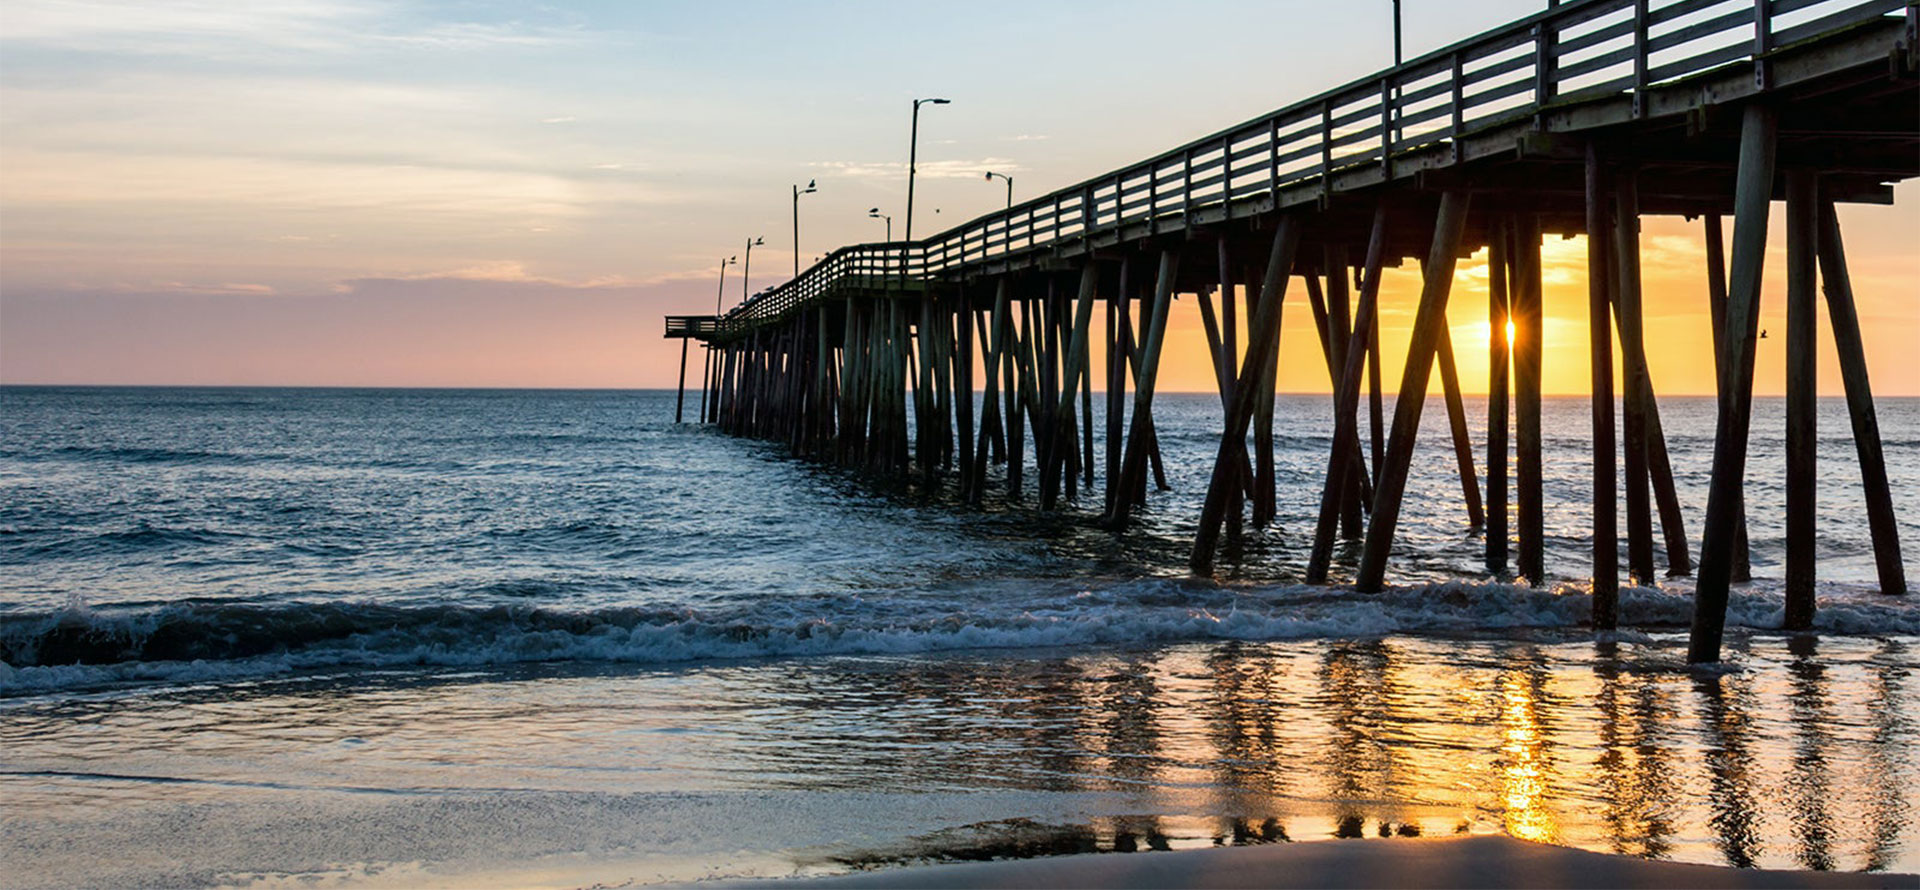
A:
{"x": 1481, "y": 862}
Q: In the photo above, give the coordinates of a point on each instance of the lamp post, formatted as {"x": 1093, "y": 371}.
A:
{"x": 746, "y": 268}
{"x": 706, "y": 379}
{"x": 913, "y": 152}
{"x": 797, "y": 192}
{"x": 1386, "y": 148}
{"x": 723, "y": 283}
{"x": 876, "y": 214}
{"x": 1009, "y": 179}
{"x": 1396, "y": 33}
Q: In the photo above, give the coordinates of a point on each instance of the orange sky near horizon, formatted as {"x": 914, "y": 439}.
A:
{"x": 1679, "y": 353}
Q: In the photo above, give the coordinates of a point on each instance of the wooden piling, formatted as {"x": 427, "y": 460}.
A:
{"x": 706, "y": 378}
{"x": 1015, "y": 389}
{"x": 1742, "y": 568}
{"x": 1625, "y": 291}
{"x": 1499, "y": 268}
{"x": 1429, "y": 320}
{"x": 1376, "y": 417}
{"x": 1346, "y": 395}
{"x": 993, "y": 345}
{"x": 1845, "y": 320}
{"x": 1263, "y": 334}
{"x": 1752, "y": 191}
{"x": 1074, "y": 364}
{"x": 1339, "y": 311}
{"x": 1457, "y": 427}
{"x": 1606, "y": 531}
{"x": 1117, "y": 312}
{"x": 1133, "y": 464}
{"x": 970, "y": 478}
{"x": 1529, "y": 500}
{"x": 680, "y": 398}
{"x": 1802, "y": 442}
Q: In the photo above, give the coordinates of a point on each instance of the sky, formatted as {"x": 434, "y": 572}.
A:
{"x": 342, "y": 192}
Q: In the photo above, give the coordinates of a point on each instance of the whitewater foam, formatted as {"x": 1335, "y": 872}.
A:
{"x": 78, "y": 647}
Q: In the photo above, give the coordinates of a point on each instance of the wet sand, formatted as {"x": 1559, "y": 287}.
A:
{"x": 1480, "y": 862}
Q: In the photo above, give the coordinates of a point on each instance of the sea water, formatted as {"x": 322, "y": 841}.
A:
{"x": 260, "y": 636}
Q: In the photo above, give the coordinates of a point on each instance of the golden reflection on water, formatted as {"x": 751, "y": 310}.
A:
{"x": 1797, "y": 759}
{"x": 1523, "y": 773}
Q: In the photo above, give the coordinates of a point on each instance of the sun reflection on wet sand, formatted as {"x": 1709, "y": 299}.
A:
{"x": 1791, "y": 760}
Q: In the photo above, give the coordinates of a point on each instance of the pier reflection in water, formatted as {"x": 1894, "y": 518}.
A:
{"x": 1791, "y": 760}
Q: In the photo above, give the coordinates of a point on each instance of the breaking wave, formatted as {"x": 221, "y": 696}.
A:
{"x": 77, "y": 648}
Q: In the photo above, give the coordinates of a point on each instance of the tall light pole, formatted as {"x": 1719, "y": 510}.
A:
{"x": 746, "y": 269}
{"x": 797, "y": 192}
{"x": 876, "y": 214}
{"x": 1396, "y": 33}
{"x": 913, "y": 152}
{"x": 723, "y": 283}
{"x": 1009, "y": 179}
{"x": 1386, "y": 147}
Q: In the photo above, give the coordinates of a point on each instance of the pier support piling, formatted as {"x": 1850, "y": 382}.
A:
{"x": 1606, "y": 529}
{"x": 1866, "y": 426}
{"x": 1752, "y": 190}
{"x": 1530, "y": 512}
{"x": 1499, "y": 269}
{"x": 1802, "y": 403}
{"x": 1263, "y": 336}
{"x": 1346, "y": 397}
{"x": 1391, "y": 476}
{"x": 1133, "y": 465}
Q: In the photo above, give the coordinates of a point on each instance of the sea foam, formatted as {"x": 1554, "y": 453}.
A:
{"x": 77, "y": 647}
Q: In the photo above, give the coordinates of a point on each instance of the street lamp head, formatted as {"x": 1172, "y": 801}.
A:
{"x": 810, "y": 185}
{"x": 938, "y": 101}
{"x": 759, "y": 242}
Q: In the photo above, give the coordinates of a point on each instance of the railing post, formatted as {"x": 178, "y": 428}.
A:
{"x": 1273, "y": 162}
{"x": 1640, "y": 58}
{"x": 1086, "y": 219}
{"x": 1186, "y": 189}
{"x": 1226, "y": 177}
{"x": 1153, "y": 199}
{"x": 1543, "y": 65}
{"x": 1459, "y": 104}
{"x": 1326, "y": 153}
{"x": 1386, "y": 127}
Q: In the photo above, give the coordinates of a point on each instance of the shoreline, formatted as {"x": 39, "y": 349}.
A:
{"x": 1488, "y": 861}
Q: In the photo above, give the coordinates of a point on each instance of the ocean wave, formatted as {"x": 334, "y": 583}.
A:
{"x": 76, "y": 647}
{"x": 140, "y": 537}
{"x": 130, "y": 454}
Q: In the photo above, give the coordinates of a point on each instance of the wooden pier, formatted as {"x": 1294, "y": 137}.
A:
{"x": 1581, "y": 119}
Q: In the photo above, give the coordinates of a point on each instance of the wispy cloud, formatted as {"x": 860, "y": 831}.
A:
{"x": 494, "y": 272}
{"x": 213, "y": 29}
{"x": 956, "y": 169}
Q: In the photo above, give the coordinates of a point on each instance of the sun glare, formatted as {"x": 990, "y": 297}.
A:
{"x": 1510, "y": 334}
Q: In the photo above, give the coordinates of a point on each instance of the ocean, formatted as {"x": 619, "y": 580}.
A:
{"x": 266, "y": 637}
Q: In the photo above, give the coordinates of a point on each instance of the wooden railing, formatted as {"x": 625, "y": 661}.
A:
{"x": 695, "y": 326}
{"x": 1573, "y": 52}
